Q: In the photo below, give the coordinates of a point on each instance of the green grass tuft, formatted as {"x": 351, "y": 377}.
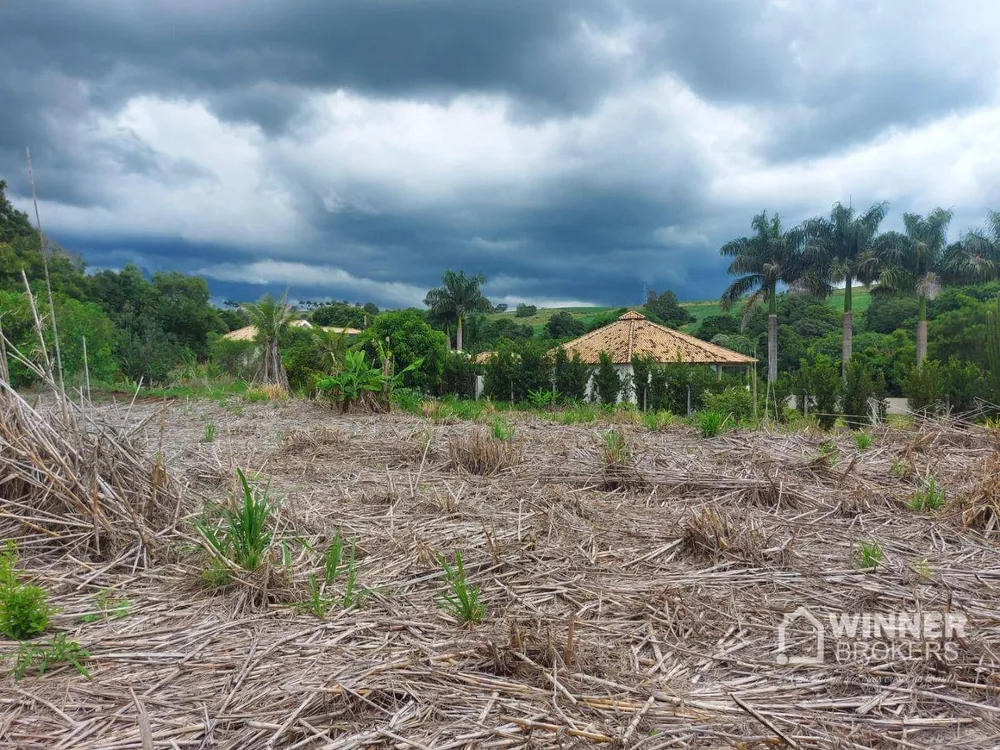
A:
{"x": 460, "y": 599}
{"x": 868, "y": 555}
{"x": 928, "y": 497}
{"x": 862, "y": 440}
{"x": 711, "y": 422}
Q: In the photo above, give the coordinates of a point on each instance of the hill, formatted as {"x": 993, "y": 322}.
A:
{"x": 700, "y": 309}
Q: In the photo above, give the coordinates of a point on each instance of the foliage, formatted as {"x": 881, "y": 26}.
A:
{"x": 861, "y": 392}
{"x": 483, "y": 332}
{"x": 458, "y": 376}
{"x": 937, "y": 387}
{"x": 244, "y": 536}
{"x": 862, "y": 440}
{"x": 304, "y": 359}
{"x": 867, "y": 555}
{"x": 562, "y": 325}
{"x": 571, "y": 375}
{"x": 525, "y": 311}
{"x": 669, "y": 385}
{"x": 40, "y": 656}
{"x": 734, "y": 403}
{"x": 616, "y": 449}
{"x": 607, "y": 380}
{"x": 642, "y": 369}
{"x": 666, "y": 309}
{"x": 342, "y": 314}
{"x": 821, "y": 382}
{"x": 711, "y": 422}
{"x": 108, "y": 606}
{"x": 272, "y": 318}
{"x": 408, "y": 401}
{"x": 209, "y": 436}
{"x": 928, "y": 497}
{"x": 517, "y": 369}
{"x": 713, "y": 325}
{"x": 502, "y": 429}
{"x": 461, "y": 599}
{"x": 24, "y": 609}
{"x": 411, "y": 340}
{"x": 887, "y": 312}
{"x": 657, "y": 420}
{"x": 357, "y": 381}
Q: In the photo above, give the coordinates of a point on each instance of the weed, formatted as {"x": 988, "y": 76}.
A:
{"x": 898, "y": 468}
{"x": 616, "y": 450}
{"x": 244, "y": 538}
{"x": 264, "y": 393}
{"x": 542, "y": 399}
{"x": 460, "y": 599}
{"x": 502, "y": 429}
{"x": 655, "y": 421}
{"x": 108, "y": 607}
{"x": 827, "y": 454}
{"x": 409, "y": 401}
{"x": 862, "y": 439}
{"x": 209, "y": 435}
{"x": 711, "y": 422}
{"x": 216, "y": 575}
{"x": 317, "y": 604}
{"x": 928, "y": 497}
{"x": 332, "y": 557}
{"x": 868, "y": 555}
{"x": 24, "y": 610}
{"x": 479, "y": 453}
{"x": 41, "y": 656}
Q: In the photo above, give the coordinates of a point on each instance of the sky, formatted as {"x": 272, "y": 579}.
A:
{"x": 573, "y": 151}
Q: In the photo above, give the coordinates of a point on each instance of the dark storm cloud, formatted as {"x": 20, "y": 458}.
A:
{"x": 815, "y": 78}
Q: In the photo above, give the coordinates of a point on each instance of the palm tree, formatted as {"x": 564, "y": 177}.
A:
{"x": 977, "y": 256}
{"x": 768, "y": 258}
{"x": 271, "y": 318}
{"x": 841, "y": 249}
{"x": 458, "y": 296}
{"x": 914, "y": 262}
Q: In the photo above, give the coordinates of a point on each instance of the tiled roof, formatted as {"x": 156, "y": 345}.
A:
{"x": 634, "y": 334}
{"x": 249, "y": 333}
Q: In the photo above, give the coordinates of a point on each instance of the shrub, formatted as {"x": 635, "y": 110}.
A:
{"x": 657, "y": 420}
{"x": 924, "y": 387}
{"x": 571, "y": 375}
{"x": 359, "y": 382}
{"x": 862, "y": 391}
{"x": 516, "y": 369}
{"x": 411, "y": 340}
{"x": 563, "y": 325}
{"x": 735, "y": 402}
{"x": 821, "y": 382}
{"x": 607, "y": 380}
{"x": 458, "y": 376}
{"x": 525, "y": 311}
{"x": 409, "y": 401}
{"x": 240, "y": 359}
{"x": 24, "y": 609}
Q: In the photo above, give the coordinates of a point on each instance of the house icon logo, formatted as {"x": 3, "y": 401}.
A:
{"x": 790, "y": 618}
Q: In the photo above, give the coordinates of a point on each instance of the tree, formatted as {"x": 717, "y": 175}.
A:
{"x": 977, "y": 257}
{"x": 713, "y": 325}
{"x": 562, "y": 325}
{"x": 410, "y": 338}
{"x": 770, "y": 257}
{"x": 607, "y": 380}
{"x": 458, "y": 296}
{"x": 667, "y": 309}
{"x": 271, "y": 317}
{"x": 524, "y": 310}
{"x": 913, "y": 262}
{"x": 843, "y": 249}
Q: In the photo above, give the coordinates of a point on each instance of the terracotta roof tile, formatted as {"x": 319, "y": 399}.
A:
{"x": 634, "y": 334}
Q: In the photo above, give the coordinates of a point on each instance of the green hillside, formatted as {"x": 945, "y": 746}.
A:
{"x": 701, "y": 310}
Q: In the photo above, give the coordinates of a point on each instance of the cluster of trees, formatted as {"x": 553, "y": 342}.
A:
{"x": 846, "y": 248}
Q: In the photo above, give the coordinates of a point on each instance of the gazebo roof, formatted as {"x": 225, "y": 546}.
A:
{"x": 633, "y": 334}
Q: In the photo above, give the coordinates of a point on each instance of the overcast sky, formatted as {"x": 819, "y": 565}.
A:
{"x": 571, "y": 150}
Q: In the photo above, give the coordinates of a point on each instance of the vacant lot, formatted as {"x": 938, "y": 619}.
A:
{"x": 635, "y": 603}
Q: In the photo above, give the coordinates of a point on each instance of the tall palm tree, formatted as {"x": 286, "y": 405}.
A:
{"x": 458, "y": 296}
{"x": 914, "y": 262}
{"x": 977, "y": 256}
{"x": 842, "y": 249}
{"x": 768, "y": 258}
{"x": 271, "y": 318}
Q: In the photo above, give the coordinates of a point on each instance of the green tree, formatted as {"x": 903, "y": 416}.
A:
{"x": 458, "y": 296}
{"x": 713, "y": 325}
{"x": 842, "y": 249}
{"x": 410, "y": 338}
{"x": 571, "y": 374}
{"x": 525, "y": 311}
{"x": 607, "y": 380}
{"x": 271, "y": 317}
{"x": 887, "y": 312}
{"x": 562, "y": 325}
{"x": 770, "y": 257}
{"x": 914, "y": 262}
{"x": 665, "y": 308}
{"x": 977, "y": 256}
{"x": 181, "y": 305}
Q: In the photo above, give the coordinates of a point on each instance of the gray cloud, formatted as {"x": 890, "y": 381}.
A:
{"x": 570, "y": 150}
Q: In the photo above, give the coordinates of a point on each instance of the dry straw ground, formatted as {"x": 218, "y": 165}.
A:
{"x": 639, "y": 616}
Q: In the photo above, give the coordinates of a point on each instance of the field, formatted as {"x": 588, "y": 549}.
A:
{"x": 632, "y": 592}
{"x": 701, "y": 310}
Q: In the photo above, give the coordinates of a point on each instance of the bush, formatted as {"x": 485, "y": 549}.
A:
{"x": 607, "y": 381}
{"x": 820, "y": 381}
{"x": 924, "y": 387}
{"x": 458, "y": 377}
{"x": 525, "y": 311}
{"x": 642, "y": 369}
{"x": 304, "y": 361}
{"x": 571, "y": 375}
{"x": 410, "y": 339}
{"x": 517, "y": 369}
{"x": 936, "y": 387}
{"x": 735, "y": 402}
{"x": 563, "y": 325}
{"x": 240, "y": 359}
{"x": 861, "y": 389}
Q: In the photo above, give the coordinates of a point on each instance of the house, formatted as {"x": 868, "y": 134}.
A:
{"x": 633, "y": 334}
